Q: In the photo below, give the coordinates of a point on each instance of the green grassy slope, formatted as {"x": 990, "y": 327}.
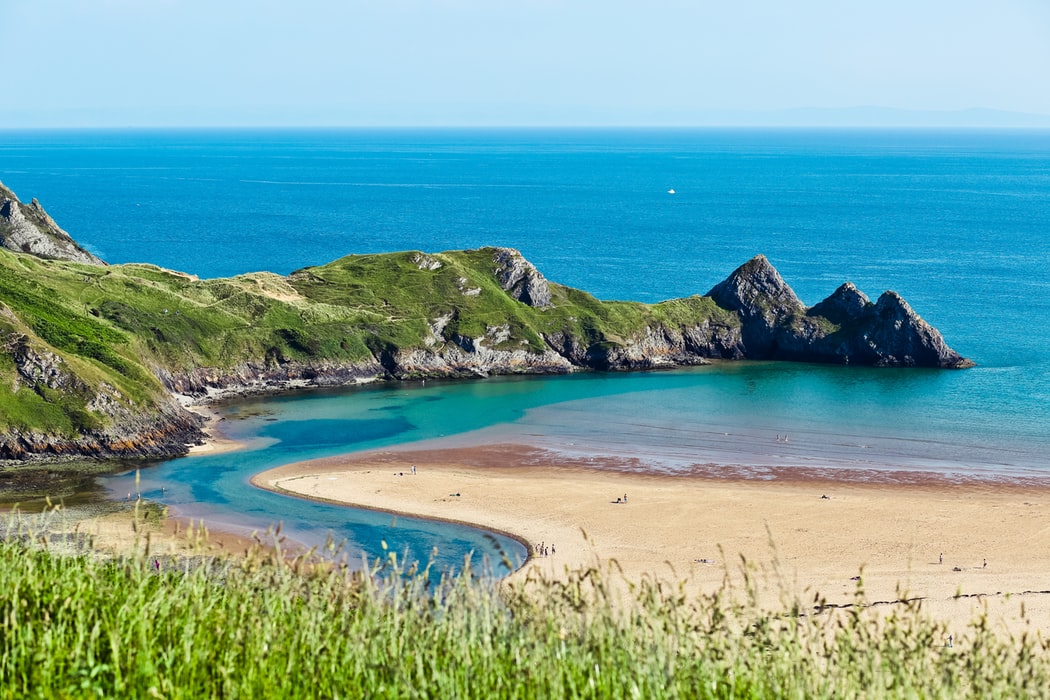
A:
{"x": 71, "y": 333}
{"x": 270, "y": 627}
{"x": 396, "y": 300}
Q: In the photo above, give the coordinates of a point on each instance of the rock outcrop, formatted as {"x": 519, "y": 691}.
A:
{"x": 27, "y": 228}
{"x": 845, "y": 328}
{"x": 765, "y": 302}
{"x": 164, "y": 434}
{"x": 69, "y": 336}
{"x": 125, "y": 432}
{"x": 520, "y": 279}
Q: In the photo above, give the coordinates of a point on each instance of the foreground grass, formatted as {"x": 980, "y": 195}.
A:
{"x": 270, "y": 626}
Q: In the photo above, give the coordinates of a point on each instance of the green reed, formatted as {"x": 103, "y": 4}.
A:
{"x": 272, "y": 625}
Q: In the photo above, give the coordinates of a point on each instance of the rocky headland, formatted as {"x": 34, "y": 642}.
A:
{"x": 27, "y": 228}
{"x": 101, "y": 361}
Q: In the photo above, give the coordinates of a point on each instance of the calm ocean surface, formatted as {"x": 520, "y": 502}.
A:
{"x": 957, "y": 222}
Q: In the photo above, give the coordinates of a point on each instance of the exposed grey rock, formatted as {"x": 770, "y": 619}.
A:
{"x": 897, "y": 337}
{"x": 657, "y": 347}
{"x": 845, "y": 328}
{"x": 120, "y": 430}
{"x": 209, "y": 383}
{"x": 164, "y": 434}
{"x": 474, "y": 357}
{"x": 765, "y": 302}
{"x": 425, "y": 262}
{"x": 27, "y": 228}
{"x": 756, "y": 289}
{"x": 467, "y": 291}
{"x": 520, "y": 279}
{"x": 846, "y": 304}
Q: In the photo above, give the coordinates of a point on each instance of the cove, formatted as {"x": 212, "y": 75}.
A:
{"x": 669, "y": 421}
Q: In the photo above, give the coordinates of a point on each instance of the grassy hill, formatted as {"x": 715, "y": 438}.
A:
{"x": 91, "y": 355}
{"x": 87, "y": 346}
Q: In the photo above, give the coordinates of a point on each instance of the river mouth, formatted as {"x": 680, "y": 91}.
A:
{"x": 746, "y": 415}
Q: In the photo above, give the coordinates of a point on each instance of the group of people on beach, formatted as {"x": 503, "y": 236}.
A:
{"x": 621, "y": 500}
{"x": 940, "y": 560}
{"x": 542, "y": 550}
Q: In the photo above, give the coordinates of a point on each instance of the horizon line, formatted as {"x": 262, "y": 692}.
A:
{"x": 536, "y": 127}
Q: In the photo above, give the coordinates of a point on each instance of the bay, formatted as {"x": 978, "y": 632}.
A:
{"x": 954, "y": 221}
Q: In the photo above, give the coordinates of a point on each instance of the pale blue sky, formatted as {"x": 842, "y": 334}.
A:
{"x": 512, "y": 62}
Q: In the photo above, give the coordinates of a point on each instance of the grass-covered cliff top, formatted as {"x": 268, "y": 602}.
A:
{"x": 71, "y": 332}
{"x": 87, "y": 350}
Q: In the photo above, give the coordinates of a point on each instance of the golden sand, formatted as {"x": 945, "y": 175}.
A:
{"x": 956, "y": 546}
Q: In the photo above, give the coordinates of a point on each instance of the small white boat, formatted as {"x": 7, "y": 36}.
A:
{"x": 671, "y": 191}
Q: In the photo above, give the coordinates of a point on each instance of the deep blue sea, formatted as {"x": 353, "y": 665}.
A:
{"x": 957, "y": 222}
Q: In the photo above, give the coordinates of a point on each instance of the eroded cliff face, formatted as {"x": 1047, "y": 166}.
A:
{"x": 768, "y": 321}
{"x": 653, "y": 347}
{"x": 765, "y": 303}
{"x": 108, "y": 425}
{"x": 520, "y": 279}
{"x": 164, "y": 434}
{"x": 845, "y": 328}
{"x": 363, "y": 319}
{"x": 27, "y": 228}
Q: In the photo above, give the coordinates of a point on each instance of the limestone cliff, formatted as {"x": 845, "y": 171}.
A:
{"x": 27, "y": 228}
{"x": 93, "y": 357}
{"x": 845, "y": 328}
{"x": 105, "y": 425}
{"x": 520, "y": 279}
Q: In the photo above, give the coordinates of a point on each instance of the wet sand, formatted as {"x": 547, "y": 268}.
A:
{"x": 957, "y": 545}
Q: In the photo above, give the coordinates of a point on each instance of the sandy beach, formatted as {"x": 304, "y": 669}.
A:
{"x": 215, "y": 441}
{"x": 958, "y": 546}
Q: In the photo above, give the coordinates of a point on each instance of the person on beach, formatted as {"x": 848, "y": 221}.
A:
{"x": 940, "y": 559}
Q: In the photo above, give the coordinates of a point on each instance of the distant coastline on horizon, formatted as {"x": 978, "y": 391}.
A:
{"x": 859, "y": 117}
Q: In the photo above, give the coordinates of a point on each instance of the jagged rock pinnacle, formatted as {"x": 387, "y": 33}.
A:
{"x": 27, "y": 228}
{"x": 520, "y": 278}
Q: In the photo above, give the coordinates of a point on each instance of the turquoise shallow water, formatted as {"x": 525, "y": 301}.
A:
{"x": 955, "y": 221}
{"x": 835, "y": 419}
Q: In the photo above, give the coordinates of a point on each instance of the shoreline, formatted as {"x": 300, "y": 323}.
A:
{"x": 215, "y": 440}
{"x": 960, "y": 547}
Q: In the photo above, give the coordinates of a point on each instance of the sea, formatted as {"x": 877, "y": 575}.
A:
{"x": 956, "y": 221}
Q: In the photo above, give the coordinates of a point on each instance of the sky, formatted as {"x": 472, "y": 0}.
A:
{"x": 119, "y": 63}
